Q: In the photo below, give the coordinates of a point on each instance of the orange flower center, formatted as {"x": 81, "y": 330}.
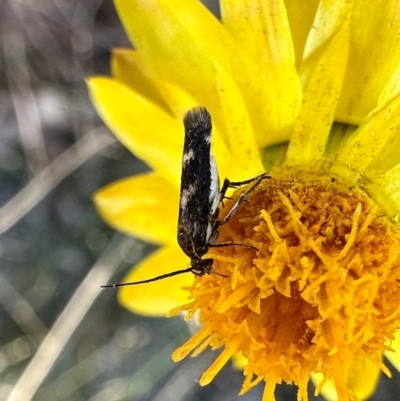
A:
{"x": 321, "y": 292}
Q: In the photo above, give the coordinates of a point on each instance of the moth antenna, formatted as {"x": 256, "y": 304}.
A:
{"x": 162, "y": 276}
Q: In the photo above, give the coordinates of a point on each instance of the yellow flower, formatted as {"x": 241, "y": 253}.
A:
{"x": 321, "y": 296}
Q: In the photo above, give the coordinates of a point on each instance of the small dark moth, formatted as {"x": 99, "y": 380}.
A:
{"x": 200, "y": 197}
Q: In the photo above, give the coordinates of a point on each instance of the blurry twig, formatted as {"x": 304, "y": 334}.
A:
{"x": 23, "y": 98}
{"x": 46, "y": 180}
{"x": 184, "y": 380}
{"x": 70, "y": 318}
{"x": 20, "y": 310}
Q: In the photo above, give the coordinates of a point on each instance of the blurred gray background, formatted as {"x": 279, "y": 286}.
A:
{"x": 61, "y": 336}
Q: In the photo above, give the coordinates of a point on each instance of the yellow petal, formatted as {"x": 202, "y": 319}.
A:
{"x": 242, "y": 143}
{"x": 394, "y": 357}
{"x": 392, "y": 89}
{"x": 128, "y": 67}
{"x": 239, "y": 361}
{"x": 375, "y": 144}
{"x": 261, "y": 30}
{"x": 190, "y": 41}
{"x": 321, "y": 94}
{"x": 385, "y": 189}
{"x": 330, "y": 17}
{"x": 145, "y": 206}
{"x": 362, "y": 380}
{"x": 301, "y": 16}
{"x": 374, "y": 55}
{"x": 177, "y": 40}
{"x": 159, "y": 297}
{"x": 143, "y": 127}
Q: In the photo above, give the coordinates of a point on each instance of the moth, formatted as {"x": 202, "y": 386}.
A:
{"x": 200, "y": 197}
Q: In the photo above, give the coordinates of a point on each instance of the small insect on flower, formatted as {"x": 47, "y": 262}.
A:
{"x": 200, "y": 198}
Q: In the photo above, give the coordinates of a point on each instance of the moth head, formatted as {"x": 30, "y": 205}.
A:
{"x": 200, "y": 267}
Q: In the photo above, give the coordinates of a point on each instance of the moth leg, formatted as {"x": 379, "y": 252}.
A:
{"x": 225, "y": 186}
{"x": 237, "y": 184}
{"x": 241, "y": 198}
{"x": 232, "y": 243}
{"x": 233, "y": 210}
